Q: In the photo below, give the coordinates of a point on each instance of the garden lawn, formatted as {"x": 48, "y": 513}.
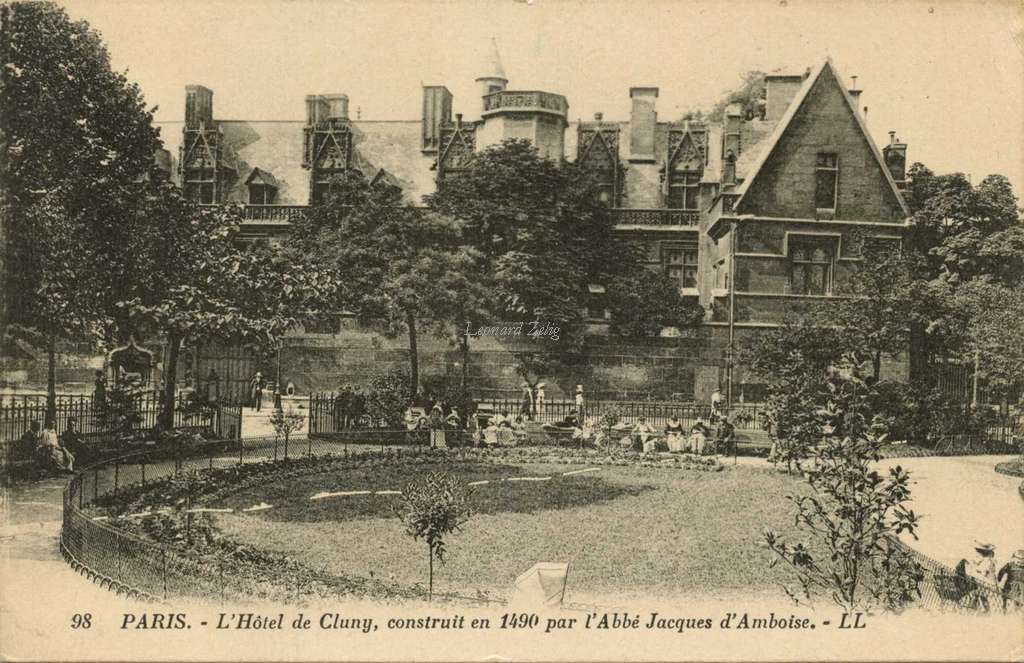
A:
{"x": 627, "y": 532}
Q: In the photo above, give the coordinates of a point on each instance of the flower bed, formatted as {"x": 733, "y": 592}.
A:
{"x": 205, "y": 562}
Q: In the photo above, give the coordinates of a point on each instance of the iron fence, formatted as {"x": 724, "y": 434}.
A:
{"x": 148, "y": 570}
{"x": 137, "y": 412}
{"x": 943, "y": 589}
{"x": 657, "y": 413}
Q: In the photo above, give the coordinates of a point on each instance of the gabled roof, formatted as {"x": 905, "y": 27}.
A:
{"x": 787, "y": 118}
{"x": 262, "y": 177}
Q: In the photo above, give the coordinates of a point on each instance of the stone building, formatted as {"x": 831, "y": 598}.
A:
{"x": 756, "y": 213}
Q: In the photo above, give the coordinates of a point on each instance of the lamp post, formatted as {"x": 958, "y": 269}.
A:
{"x": 732, "y": 314}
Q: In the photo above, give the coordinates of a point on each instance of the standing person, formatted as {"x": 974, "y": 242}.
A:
{"x": 337, "y": 411}
{"x": 453, "y": 423}
{"x": 716, "y": 403}
{"x": 99, "y": 392}
{"x": 581, "y": 405}
{"x": 526, "y": 402}
{"x": 436, "y": 422}
{"x": 357, "y": 407}
{"x": 985, "y": 570}
{"x": 540, "y": 400}
{"x": 345, "y": 406}
{"x": 212, "y": 386}
{"x": 256, "y": 390}
{"x": 1013, "y": 571}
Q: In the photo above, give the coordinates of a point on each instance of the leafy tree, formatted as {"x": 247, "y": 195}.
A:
{"x": 750, "y": 94}
{"x": 994, "y": 320}
{"x": 387, "y": 399}
{"x": 193, "y": 281}
{"x": 431, "y": 508}
{"x": 398, "y": 268}
{"x": 544, "y": 237}
{"x": 853, "y": 514}
{"x": 73, "y": 130}
{"x": 646, "y": 302}
{"x": 540, "y": 229}
{"x": 959, "y": 232}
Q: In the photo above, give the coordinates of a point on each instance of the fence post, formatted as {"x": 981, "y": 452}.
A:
{"x": 96, "y": 484}
{"x": 286, "y": 448}
{"x": 117, "y": 472}
{"x": 81, "y": 490}
{"x": 309, "y": 445}
{"x": 143, "y": 464}
{"x": 240, "y": 447}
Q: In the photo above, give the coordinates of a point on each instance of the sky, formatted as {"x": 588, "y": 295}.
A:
{"x": 947, "y": 76}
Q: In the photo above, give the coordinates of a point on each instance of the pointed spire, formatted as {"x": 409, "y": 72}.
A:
{"x": 492, "y": 63}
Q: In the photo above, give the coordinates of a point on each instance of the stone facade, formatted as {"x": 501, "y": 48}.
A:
{"x": 771, "y": 206}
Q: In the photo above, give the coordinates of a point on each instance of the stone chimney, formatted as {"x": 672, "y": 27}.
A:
{"x": 437, "y": 111}
{"x": 854, "y": 92}
{"x": 337, "y": 106}
{"x": 731, "y": 130}
{"x": 779, "y": 92}
{"x": 316, "y": 109}
{"x": 642, "y": 122}
{"x": 198, "y": 106}
{"x": 895, "y": 154}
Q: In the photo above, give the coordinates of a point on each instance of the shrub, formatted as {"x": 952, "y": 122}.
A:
{"x": 431, "y": 508}
{"x": 387, "y": 399}
{"x": 853, "y": 512}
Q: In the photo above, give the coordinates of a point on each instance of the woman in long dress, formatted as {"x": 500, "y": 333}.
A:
{"x": 437, "y": 440}
{"x": 674, "y": 435}
{"x": 52, "y": 454}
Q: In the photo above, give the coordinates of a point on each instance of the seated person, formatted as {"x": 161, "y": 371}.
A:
{"x": 674, "y": 434}
{"x": 698, "y": 437}
{"x": 584, "y": 433}
{"x": 490, "y": 434}
{"x": 725, "y": 436}
{"x": 71, "y": 439}
{"x": 643, "y": 434}
{"x": 519, "y": 429}
{"x": 28, "y": 442}
{"x": 569, "y": 421}
{"x": 51, "y": 455}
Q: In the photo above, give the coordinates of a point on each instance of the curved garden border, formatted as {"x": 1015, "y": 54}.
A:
{"x": 142, "y": 568}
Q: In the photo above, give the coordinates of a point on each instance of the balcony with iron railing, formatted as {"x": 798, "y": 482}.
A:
{"x": 273, "y": 213}
{"x": 679, "y": 218}
{"x": 511, "y": 100}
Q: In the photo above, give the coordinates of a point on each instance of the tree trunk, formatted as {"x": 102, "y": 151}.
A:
{"x": 464, "y": 386}
{"x": 170, "y": 379}
{"x": 430, "y": 582}
{"x": 51, "y": 381}
{"x": 414, "y": 360}
{"x": 918, "y": 352}
{"x": 876, "y": 365}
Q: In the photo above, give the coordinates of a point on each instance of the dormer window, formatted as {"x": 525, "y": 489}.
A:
{"x": 826, "y": 181}
{"x": 684, "y": 190}
{"x": 262, "y": 187}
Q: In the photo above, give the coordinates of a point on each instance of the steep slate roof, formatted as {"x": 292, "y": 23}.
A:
{"x": 780, "y": 129}
{"x": 276, "y": 149}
